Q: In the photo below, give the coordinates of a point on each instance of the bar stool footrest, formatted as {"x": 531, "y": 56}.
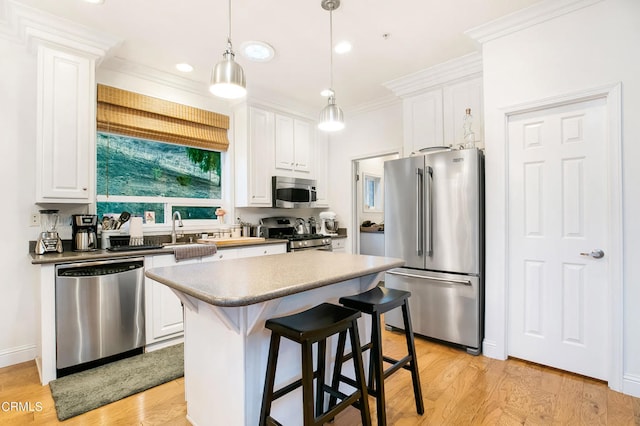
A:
{"x": 397, "y": 364}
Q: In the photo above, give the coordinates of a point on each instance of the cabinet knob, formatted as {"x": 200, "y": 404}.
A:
{"x": 84, "y": 189}
{"x": 265, "y": 252}
{"x": 296, "y": 164}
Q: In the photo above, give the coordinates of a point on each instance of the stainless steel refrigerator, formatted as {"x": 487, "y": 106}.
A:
{"x": 434, "y": 220}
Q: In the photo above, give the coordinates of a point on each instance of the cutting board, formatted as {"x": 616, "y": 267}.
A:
{"x": 228, "y": 241}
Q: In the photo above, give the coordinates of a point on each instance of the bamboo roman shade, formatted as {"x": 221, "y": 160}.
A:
{"x": 133, "y": 114}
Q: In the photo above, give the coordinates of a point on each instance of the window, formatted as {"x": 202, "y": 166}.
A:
{"x": 153, "y": 179}
{"x": 155, "y": 157}
{"x": 372, "y": 193}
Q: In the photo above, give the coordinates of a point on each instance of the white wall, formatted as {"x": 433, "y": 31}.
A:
{"x": 19, "y": 301}
{"x": 589, "y": 48}
{"x": 367, "y": 134}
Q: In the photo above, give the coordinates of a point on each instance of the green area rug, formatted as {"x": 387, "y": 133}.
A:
{"x": 81, "y": 392}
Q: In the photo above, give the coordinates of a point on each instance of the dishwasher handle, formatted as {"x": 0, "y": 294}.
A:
{"x": 100, "y": 269}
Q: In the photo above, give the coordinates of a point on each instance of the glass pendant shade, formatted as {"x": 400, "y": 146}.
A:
{"x": 227, "y": 78}
{"x": 331, "y": 117}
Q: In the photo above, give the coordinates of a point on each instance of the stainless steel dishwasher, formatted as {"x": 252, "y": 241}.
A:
{"x": 99, "y": 312}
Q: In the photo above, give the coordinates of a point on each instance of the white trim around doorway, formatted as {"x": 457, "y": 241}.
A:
{"x": 355, "y": 245}
{"x": 613, "y": 95}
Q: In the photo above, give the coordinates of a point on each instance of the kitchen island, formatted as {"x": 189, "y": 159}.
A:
{"x": 226, "y": 306}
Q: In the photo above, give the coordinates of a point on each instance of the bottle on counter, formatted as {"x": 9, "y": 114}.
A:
{"x": 467, "y": 128}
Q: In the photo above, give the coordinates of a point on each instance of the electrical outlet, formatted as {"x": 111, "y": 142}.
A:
{"x": 35, "y": 219}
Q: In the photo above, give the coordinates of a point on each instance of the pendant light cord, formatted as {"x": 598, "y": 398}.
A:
{"x": 229, "y": 33}
{"x": 331, "y": 50}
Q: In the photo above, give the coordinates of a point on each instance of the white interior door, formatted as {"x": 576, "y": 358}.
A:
{"x": 558, "y": 289}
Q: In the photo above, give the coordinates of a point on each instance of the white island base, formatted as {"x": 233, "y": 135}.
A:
{"x": 226, "y": 355}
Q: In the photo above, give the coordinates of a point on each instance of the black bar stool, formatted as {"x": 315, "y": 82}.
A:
{"x": 376, "y": 302}
{"x": 306, "y": 328}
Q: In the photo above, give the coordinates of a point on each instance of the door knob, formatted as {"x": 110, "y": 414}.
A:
{"x": 596, "y": 254}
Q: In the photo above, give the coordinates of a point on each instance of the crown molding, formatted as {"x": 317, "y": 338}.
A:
{"x": 31, "y": 26}
{"x": 466, "y": 66}
{"x": 526, "y": 18}
{"x": 374, "y": 105}
{"x": 144, "y": 72}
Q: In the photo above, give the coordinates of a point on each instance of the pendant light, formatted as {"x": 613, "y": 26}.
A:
{"x": 227, "y": 77}
{"x": 331, "y": 116}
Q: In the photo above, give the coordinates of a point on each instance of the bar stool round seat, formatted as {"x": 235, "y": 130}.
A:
{"x": 376, "y": 302}
{"x": 316, "y": 325}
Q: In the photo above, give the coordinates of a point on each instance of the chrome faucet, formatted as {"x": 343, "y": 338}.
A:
{"x": 176, "y": 215}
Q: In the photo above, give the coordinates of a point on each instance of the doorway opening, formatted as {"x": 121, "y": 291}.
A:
{"x": 368, "y": 203}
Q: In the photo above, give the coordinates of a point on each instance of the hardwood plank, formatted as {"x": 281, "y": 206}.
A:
{"x": 458, "y": 389}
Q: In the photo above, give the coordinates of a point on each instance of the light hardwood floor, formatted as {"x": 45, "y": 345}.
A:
{"x": 458, "y": 389}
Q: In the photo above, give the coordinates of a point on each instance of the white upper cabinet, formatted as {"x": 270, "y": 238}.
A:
{"x": 66, "y": 128}
{"x": 253, "y": 143}
{"x": 456, "y": 99}
{"x": 293, "y": 144}
{"x": 270, "y": 143}
{"x": 435, "y": 100}
{"x": 423, "y": 125}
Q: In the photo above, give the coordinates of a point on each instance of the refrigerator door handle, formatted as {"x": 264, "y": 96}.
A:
{"x": 424, "y": 277}
{"x": 429, "y": 212}
{"x": 419, "y": 211}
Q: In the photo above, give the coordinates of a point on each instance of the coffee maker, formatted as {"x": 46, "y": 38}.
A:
{"x": 84, "y": 231}
{"x": 48, "y": 240}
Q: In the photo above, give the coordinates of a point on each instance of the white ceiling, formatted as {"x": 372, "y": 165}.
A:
{"x": 160, "y": 33}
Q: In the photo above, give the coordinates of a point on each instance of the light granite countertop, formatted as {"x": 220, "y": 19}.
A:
{"x": 246, "y": 281}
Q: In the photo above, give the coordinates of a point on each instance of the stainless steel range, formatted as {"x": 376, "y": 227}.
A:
{"x": 296, "y": 231}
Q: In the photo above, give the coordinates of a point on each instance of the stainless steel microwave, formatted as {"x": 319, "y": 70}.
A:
{"x": 288, "y": 192}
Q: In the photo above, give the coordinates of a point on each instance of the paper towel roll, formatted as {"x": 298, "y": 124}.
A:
{"x": 135, "y": 231}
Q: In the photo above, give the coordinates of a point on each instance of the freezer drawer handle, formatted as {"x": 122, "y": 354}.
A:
{"x": 404, "y": 274}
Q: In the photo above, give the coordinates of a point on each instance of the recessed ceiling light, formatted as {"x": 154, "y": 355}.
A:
{"x": 342, "y": 47}
{"x": 184, "y": 67}
{"x": 95, "y": 1}
{"x": 257, "y": 51}
{"x": 327, "y": 92}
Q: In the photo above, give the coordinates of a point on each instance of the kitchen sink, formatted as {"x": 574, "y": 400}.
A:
{"x": 181, "y": 244}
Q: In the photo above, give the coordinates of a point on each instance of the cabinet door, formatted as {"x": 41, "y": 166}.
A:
{"x": 261, "y": 138}
{"x": 322, "y": 169}
{"x": 225, "y": 254}
{"x": 164, "y": 316}
{"x": 303, "y": 145}
{"x": 456, "y": 99}
{"x": 262, "y": 250}
{"x": 66, "y": 127}
{"x": 338, "y": 245}
{"x": 284, "y": 144}
{"x": 422, "y": 118}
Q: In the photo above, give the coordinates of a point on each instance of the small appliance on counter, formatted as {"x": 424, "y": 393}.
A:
{"x": 328, "y": 223}
{"x": 48, "y": 240}
{"x": 84, "y": 232}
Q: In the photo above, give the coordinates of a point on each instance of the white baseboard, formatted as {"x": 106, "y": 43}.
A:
{"x": 631, "y": 385}
{"x": 490, "y": 349}
{"x": 17, "y": 355}
{"x": 164, "y": 344}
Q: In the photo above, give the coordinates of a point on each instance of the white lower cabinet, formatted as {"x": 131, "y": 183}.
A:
{"x": 338, "y": 245}
{"x": 163, "y": 310}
